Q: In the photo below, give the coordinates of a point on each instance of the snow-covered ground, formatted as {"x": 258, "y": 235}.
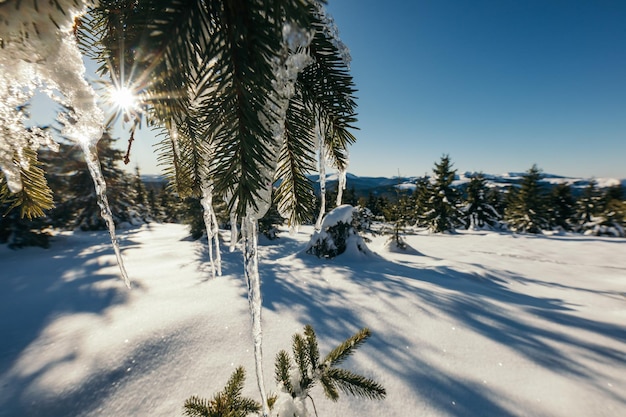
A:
{"x": 472, "y": 324}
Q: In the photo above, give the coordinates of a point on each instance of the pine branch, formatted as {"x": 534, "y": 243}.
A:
{"x": 35, "y": 195}
{"x": 197, "y": 407}
{"x": 303, "y": 361}
{"x": 226, "y": 403}
{"x": 282, "y": 369}
{"x": 311, "y": 345}
{"x": 329, "y": 386}
{"x": 357, "y": 385}
{"x": 341, "y": 352}
{"x": 295, "y": 194}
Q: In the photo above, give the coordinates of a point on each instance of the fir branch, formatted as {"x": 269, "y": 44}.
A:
{"x": 197, "y": 407}
{"x": 357, "y": 385}
{"x": 35, "y": 195}
{"x": 341, "y": 352}
{"x": 303, "y": 360}
{"x": 226, "y": 403}
{"x": 282, "y": 369}
{"x": 312, "y": 347}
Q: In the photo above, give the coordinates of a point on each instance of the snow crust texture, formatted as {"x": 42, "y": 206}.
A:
{"x": 480, "y": 324}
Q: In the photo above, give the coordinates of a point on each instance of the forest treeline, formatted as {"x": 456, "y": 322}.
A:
{"x": 435, "y": 204}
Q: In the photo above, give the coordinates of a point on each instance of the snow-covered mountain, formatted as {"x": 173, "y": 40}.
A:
{"x": 385, "y": 185}
{"x": 390, "y": 185}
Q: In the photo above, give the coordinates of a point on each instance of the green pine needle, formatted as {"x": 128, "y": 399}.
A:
{"x": 341, "y": 352}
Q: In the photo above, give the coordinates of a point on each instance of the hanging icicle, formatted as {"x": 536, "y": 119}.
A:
{"x": 341, "y": 186}
{"x": 234, "y": 231}
{"x": 212, "y": 228}
{"x": 93, "y": 163}
{"x": 322, "y": 172}
{"x": 249, "y": 231}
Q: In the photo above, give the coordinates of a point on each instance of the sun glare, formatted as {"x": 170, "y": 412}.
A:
{"x": 124, "y": 98}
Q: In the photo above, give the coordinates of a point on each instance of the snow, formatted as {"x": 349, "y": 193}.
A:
{"x": 477, "y": 324}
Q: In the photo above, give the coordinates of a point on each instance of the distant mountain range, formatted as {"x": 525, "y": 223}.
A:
{"x": 390, "y": 186}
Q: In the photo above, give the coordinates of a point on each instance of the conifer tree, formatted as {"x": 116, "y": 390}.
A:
{"x": 479, "y": 213}
{"x": 526, "y": 211}
{"x": 399, "y": 214}
{"x": 561, "y": 207}
{"x": 588, "y": 206}
{"x": 421, "y": 196}
{"x": 442, "y": 212}
{"x": 601, "y": 213}
{"x": 121, "y": 195}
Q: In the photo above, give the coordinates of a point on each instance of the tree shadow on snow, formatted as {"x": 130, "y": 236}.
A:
{"x": 63, "y": 280}
{"x": 472, "y": 299}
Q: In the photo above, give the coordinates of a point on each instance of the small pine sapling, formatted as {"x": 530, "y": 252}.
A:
{"x": 297, "y": 380}
{"x": 226, "y": 403}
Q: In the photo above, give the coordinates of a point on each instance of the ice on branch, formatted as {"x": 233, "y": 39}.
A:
{"x": 40, "y": 52}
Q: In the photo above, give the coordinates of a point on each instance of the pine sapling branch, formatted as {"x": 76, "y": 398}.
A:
{"x": 341, "y": 352}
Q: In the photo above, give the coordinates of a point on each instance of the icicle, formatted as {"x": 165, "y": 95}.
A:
{"x": 322, "y": 174}
{"x": 93, "y": 163}
{"x": 341, "y": 186}
{"x": 234, "y": 231}
{"x": 249, "y": 229}
{"x": 212, "y": 228}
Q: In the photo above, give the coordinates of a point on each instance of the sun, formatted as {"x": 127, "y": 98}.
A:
{"x": 124, "y": 98}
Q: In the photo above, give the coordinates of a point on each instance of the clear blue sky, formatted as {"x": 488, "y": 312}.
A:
{"x": 497, "y": 84}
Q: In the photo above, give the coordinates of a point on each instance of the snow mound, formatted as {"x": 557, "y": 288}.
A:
{"x": 338, "y": 236}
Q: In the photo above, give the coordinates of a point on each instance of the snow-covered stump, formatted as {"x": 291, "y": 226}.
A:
{"x": 338, "y": 235}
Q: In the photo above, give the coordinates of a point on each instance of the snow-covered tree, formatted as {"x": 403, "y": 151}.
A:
{"x": 442, "y": 209}
{"x": 601, "y": 213}
{"x": 339, "y": 233}
{"x": 479, "y": 212}
{"x": 526, "y": 210}
{"x": 561, "y": 207}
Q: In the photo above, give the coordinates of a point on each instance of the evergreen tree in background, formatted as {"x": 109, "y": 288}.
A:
{"x": 19, "y": 232}
{"x": 561, "y": 207}
{"x": 588, "y": 206}
{"x": 601, "y": 214}
{"x": 442, "y": 212}
{"x": 121, "y": 195}
{"x": 526, "y": 211}
{"x": 421, "y": 197}
{"x": 399, "y": 215}
{"x": 269, "y": 223}
{"x": 479, "y": 213}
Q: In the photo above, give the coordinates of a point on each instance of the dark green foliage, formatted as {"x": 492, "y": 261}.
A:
{"x": 441, "y": 210}
{"x": 421, "y": 197}
{"x": 600, "y": 213}
{"x": 333, "y": 239}
{"x": 216, "y": 108}
{"x": 80, "y": 197}
{"x": 269, "y": 223}
{"x": 226, "y": 403}
{"x": 526, "y": 211}
{"x": 479, "y": 213}
{"x": 311, "y": 370}
{"x": 19, "y": 232}
{"x": 561, "y": 207}
{"x": 334, "y": 243}
{"x": 399, "y": 215}
{"x": 192, "y": 215}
